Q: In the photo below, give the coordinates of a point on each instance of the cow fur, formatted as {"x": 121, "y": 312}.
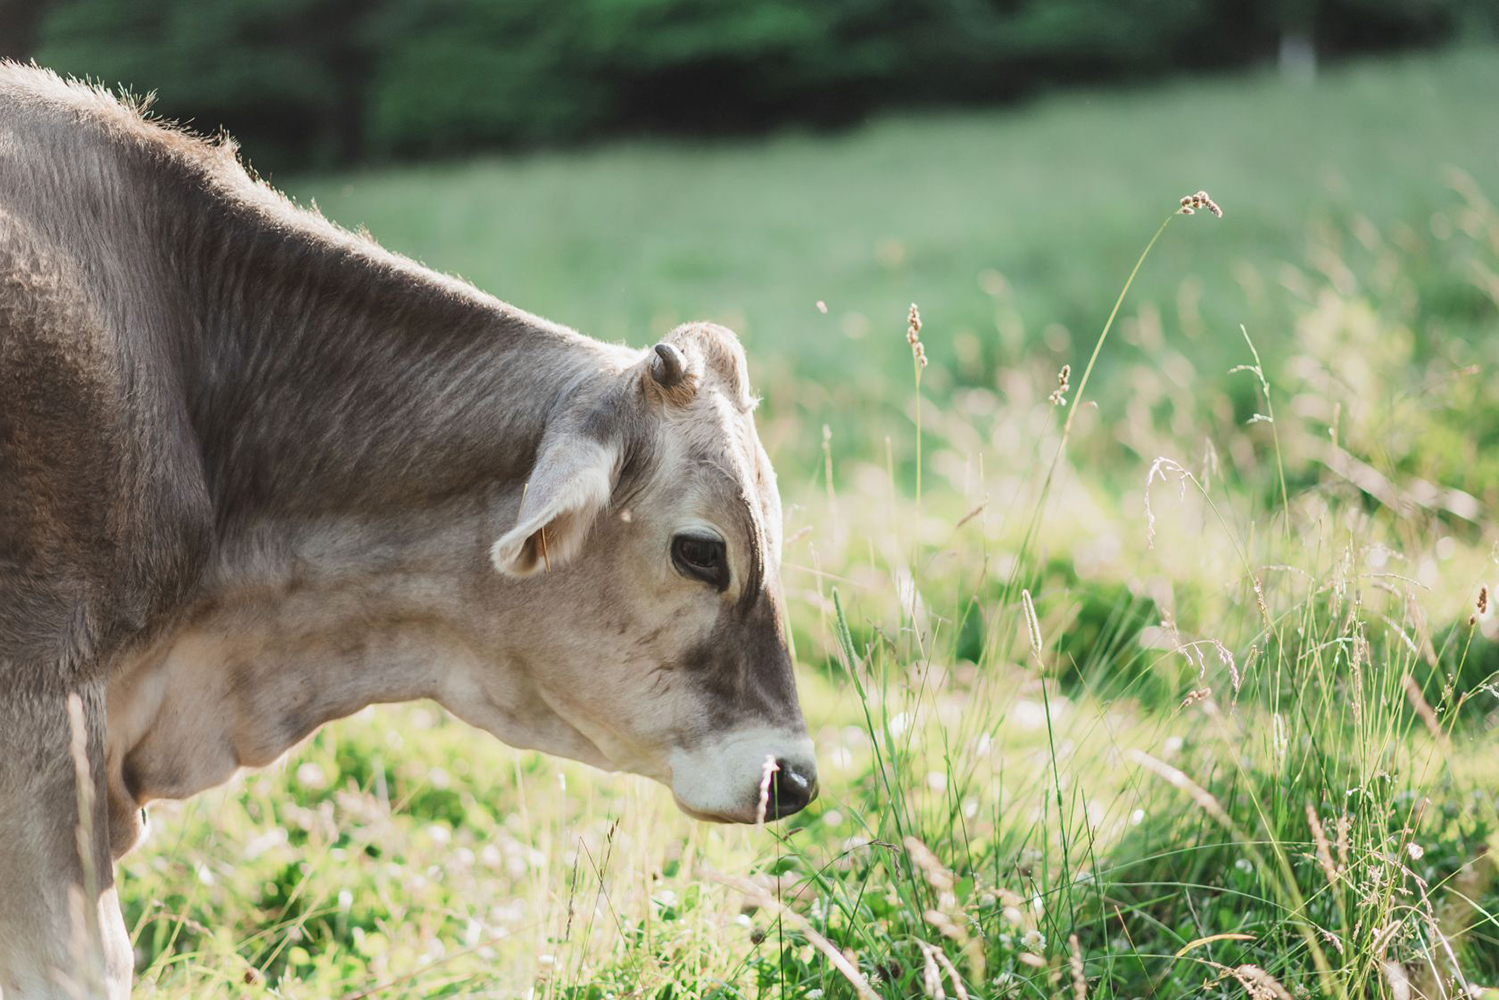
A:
{"x": 257, "y": 473}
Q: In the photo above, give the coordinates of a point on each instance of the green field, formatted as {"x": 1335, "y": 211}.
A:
{"x": 1056, "y": 197}
{"x": 1246, "y": 745}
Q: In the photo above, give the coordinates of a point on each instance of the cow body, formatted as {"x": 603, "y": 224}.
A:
{"x": 257, "y": 473}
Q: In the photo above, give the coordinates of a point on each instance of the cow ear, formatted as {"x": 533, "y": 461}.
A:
{"x": 569, "y": 487}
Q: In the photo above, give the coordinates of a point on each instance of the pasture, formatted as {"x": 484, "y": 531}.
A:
{"x": 1180, "y": 685}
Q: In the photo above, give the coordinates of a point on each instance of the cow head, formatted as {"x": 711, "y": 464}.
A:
{"x": 647, "y": 549}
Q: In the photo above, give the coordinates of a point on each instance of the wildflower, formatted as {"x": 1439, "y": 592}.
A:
{"x": 1481, "y": 606}
{"x": 1192, "y": 202}
{"x": 913, "y": 336}
{"x": 1059, "y": 394}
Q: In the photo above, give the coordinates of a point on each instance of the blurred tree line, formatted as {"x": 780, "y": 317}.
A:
{"x": 318, "y": 82}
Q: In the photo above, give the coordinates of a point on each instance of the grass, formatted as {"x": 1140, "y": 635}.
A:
{"x": 1200, "y": 714}
{"x": 1042, "y": 206}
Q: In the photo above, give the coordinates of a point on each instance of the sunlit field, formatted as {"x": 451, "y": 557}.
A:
{"x": 1176, "y": 682}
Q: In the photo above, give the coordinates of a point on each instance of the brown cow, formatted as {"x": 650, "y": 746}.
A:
{"x": 257, "y": 473}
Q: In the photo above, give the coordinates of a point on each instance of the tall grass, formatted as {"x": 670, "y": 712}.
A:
{"x": 1187, "y": 693}
{"x": 1300, "y": 712}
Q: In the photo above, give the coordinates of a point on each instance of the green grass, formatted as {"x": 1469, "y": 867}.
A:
{"x": 1129, "y": 796}
{"x": 625, "y": 241}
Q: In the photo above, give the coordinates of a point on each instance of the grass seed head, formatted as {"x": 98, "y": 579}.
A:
{"x": 1260, "y": 984}
{"x": 1428, "y": 715}
{"x": 913, "y": 335}
{"x": 931, "y": 975}
{"x": 1400, "y": 983}
{"x": 1192, "y": 202}
{"x": 936, "y": 874}
{"x": 1032, "y": 624}
{"x": 1079, "y": 978}
{"x": 1324, "y": 849}
{"x": 1058, "y": 395}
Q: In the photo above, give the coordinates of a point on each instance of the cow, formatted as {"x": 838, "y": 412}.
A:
{"x": 257, "y": 473}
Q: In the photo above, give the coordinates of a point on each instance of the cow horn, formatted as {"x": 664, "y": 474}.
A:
{"x": 668, "y": 368}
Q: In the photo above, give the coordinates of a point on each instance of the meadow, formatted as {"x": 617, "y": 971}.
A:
{"x": 1177, "y": 680}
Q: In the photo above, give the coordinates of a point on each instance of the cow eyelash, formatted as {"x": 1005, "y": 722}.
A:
{"x": 701, "y": 558}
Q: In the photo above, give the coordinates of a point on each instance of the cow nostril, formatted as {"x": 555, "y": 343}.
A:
{"x": 791, "y": 790}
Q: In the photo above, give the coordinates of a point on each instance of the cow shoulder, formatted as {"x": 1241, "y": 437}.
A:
{"x": 81, "y": 503}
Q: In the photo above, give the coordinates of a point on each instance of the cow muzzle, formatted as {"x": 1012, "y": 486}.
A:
{"x": 745, "y": 777}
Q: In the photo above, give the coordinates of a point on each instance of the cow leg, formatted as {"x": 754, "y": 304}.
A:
{"x": 61, "y": 931}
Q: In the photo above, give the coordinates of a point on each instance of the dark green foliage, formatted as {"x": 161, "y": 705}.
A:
{"x": 287, "y": 75}
{"x": 318, "y": 81}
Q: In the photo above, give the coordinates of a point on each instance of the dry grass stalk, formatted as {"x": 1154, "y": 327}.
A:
{"x": 1324, "y": 849}
{"x": 1079, "y": 978}
{"x": 946, "y": 916}
{"x": 1161, "y": 467}
{"x": 1178, "y": 780}
{"x": 1481, "y": 606}
{"x": 1417, "y": 616}
{"x": 958, "y": 989}
{"x": 1259, "y": 984}
{"x": 1227, "y": 659}
{"x": 1400, "y": 983}
{"x": 937, "y": 875}
{"x": 844, "y": 963}
{"x": 975, "y": 512}
{"x": 931, "y": 975}
{"x": 1423, "y": 709}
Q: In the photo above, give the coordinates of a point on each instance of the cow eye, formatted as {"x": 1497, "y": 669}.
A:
{"x": 701, "y": 558}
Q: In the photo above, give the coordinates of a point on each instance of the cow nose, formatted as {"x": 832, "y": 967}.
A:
{"x": 792, "y": 788}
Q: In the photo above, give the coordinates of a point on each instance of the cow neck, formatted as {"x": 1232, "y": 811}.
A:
{"x": 327, "y": 375}
{"x": 366, "y": 427}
